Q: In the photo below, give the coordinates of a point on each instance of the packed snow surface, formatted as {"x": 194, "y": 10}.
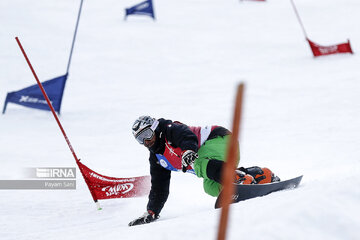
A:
{"x": 301, "y": 114}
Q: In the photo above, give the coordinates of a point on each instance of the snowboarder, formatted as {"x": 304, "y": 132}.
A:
{"x": 175, "y": 146}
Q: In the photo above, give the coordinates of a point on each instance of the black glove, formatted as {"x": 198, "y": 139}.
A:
{"x": 188, "y": 158}
{"x": 148, "y": 217}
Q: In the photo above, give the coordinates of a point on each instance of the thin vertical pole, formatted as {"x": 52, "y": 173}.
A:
{"x": 73, "y": 42}
{"x": 228, "y": 171}
{"x": 299, "y": 19}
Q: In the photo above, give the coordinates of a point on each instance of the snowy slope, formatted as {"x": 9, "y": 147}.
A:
{"x": 301, "y": 115}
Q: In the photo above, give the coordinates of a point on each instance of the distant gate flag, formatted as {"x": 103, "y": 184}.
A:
{"x": 319, "y": 50}
{"x": 103, "y": 187}
{"x": 32, "y": 96}
{"x": 143, "y": 8}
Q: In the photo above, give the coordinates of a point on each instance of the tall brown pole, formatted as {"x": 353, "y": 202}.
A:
{"x": 228, "y": 172}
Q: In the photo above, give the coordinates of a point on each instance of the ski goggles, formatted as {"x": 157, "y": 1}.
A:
{"x": 145, "y": 134}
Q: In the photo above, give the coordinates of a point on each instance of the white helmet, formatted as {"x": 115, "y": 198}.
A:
{"x": 143, "y": 128}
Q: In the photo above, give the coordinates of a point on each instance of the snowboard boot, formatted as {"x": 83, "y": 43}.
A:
{"x": 243, "y": 178}
{"x": 261, "y": 175}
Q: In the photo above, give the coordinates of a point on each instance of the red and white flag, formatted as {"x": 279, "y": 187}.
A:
{"x": 104, "y": 187}
{"x": 319, "y": 50}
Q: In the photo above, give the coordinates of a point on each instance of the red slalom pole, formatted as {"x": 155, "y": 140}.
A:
{"x": 56, "y": 117}
{"x": 47, "y": 99}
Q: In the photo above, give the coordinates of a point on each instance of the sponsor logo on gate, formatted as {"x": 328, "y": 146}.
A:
{"x": 325, "y": 50}
{"x": 32, "y": 100}
{"x": 143, "y": 6}
{"x": 92, "y": 174}
{"x": 118, "y": 189}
